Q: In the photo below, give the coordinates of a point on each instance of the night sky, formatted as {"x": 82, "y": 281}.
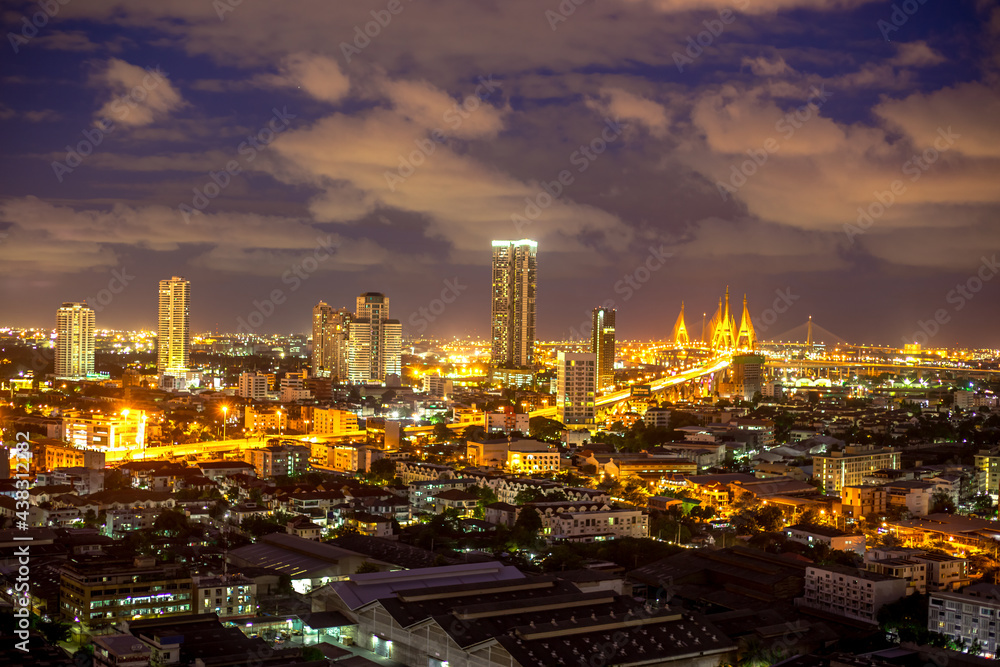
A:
{"x": 700, "y": 143}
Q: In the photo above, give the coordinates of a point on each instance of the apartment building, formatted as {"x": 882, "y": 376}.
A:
{"x": 863, "y": 500}
{"x": 232, "y": 596}
{"x": 849, "y": 592}
{"x": 275, "y": 460}
{"x": 831, "y": 537}
{"x": 331, "y": 421}
{"x": 99, "y": 592}
{"x": 970, "y": 616}
{"x": 597, "y": 525}
{"x": 848, "y": 467}
{"x": 988, "y": 466}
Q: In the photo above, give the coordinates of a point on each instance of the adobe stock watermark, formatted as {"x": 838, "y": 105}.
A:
{"x": 781, "y": 305}
{"x": 248, "y": 149}
{"x": 914, "y": 168}
{"x": 453, "y": 117}
{"x": 581, "y": 158}
{"x": 119, "y": 280}
{"x": 298, "y": 273}
{"x": 562, "y": 12}
{"x": 38, "y": 20}
{"x": 786, "y": 126}
{"x": 372, "y": 29}
{"x": 627, "y": 286}
{"x": 427, "y": 314}
{"x": 901, "y": 13}
{"x": 958, "y": 297}
{"x": 697, "y": 44}
{"x": 120, "y": 108}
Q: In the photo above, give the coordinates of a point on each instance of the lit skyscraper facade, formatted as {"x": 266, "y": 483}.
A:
{"x": 330, "y": 339}
{"x": 602, "y": 344}
{"x": 376, "y": 342}
{"x": 513, "y": 303}
{"x": 74, "y": 340}
{"x": 174, "y": 334}
{"x": 576, "y": 379}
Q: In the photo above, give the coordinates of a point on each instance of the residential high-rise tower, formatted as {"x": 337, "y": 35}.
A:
{"x": 513, "y": 303}
{"x": 74, "y": 340}
{"x": 330, "y": 339}
{"x": 602, "y": 344}
{"x": 376, "y": 342}
{"x": 173, "y": 334}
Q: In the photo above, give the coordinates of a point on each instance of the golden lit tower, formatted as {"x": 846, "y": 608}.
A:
{"x": 173, "y": 335}
{"x": 330, "y": 336}
{"x": 746, "y": 338}
{"x": 513, "y": 303}
{"x": 602, "y": 345}
{"x": 681, "y": 338}
{"x": 74, "y": 340}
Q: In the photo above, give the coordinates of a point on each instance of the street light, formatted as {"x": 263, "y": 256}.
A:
{"x": 225, "y": 408}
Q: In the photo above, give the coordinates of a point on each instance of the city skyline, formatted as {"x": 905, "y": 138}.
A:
{"x": 849, "y": 168}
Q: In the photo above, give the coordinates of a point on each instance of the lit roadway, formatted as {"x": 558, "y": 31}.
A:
{"x": 822, "y": 363}
{"x": 195, "y": 448}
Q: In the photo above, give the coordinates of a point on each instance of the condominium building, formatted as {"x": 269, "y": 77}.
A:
{"x": 115, "y": 432}
{"x": 576, "y": 389}
{"x": 173, "y": 332}
{"x": 513, "y": 303}
{"x": 507, "y": 421}
{"x": 264, "y": 421}
{"x": 531, "y": 457}
{"x": 375, "y": 341}
{"x": 331, "y": 421}
{"x": 74, "y": 341}
{"x": 988, "y": 467}
{"x": 848, "y": 467}
{"x": 253, "y": 386}
{"x": 602, "y": 344}
{"x": 330, "y": 341}
{"x": 98, "y": 592}
{"x": 435, "y": 385}
{"x": 597, "y": 526}
{"x": 849, "y": 592}
{"x": 232, "y": 596}
{"x": 279, "y": 460}
{"x": 970, "y": 616}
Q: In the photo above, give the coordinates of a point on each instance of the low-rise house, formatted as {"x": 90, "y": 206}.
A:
{"x": 832, "y": 537}
{"x": 461, "y": 501}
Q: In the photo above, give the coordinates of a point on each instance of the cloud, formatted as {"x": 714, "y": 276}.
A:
{"x": 619, "y": 104}
{"x": 429, "y": 107}
{"x": 761, "y": 66}
{"x": 317, "y": 75}
{"x": 916, "y": 54}
{"x": 138, "y": 96}
{"x": 970, "y": 109}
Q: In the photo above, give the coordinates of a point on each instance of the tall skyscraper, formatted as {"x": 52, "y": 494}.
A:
{"x": 376, "y": 342}
{"x": 576, "y": 380}
{"x": 74, "y": 340}
{"x": 330, "y": 339}
{"x": 602, "y": 344}
{"x": 513, "y": 310}
{"x": 173, "y": 335}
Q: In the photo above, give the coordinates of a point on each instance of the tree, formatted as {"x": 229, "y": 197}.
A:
{"x": 382, "y": 471}
{"x": 942, "y": 501}
{"x": 442, "y": 433}
{"x": 543, "y": 428}
{"x": 474, "y": 433}
{"x": 55, "y": 632}
{"x": 527, "y": 528}
{"x": 366, "y": 567}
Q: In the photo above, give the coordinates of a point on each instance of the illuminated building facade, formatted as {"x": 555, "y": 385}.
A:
{"x": 331, "y": 421}
{"x": 836, "y": 470}
{"x": 576, "y": 388}
{"x": 376, "y": 342}
{"x": 602, "y": 344}
{"x": 117, "y": 434}
{"x": 74, "y": 341}
{"x": 253, "y": 386}
{"x": 513, "y": 303}
{"x": 233, "y": 596}
{"x": 99, "y": 592}
{"x": 173, "y": 333}
{"x": 330, "y": 341}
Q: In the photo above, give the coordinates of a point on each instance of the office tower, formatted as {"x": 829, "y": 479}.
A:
{"x": 747, "y": 372}
{"x": 330, "y": 338}
{"x": 253, "y": 386}
{"x": 513, "y": 325}
{"x": 173, "y": 335}
{"x": 576, "y": 388}
{"x": 376, "y": 342}
{"x": 74, "y": 340}
{"x": 602, "y": 344}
